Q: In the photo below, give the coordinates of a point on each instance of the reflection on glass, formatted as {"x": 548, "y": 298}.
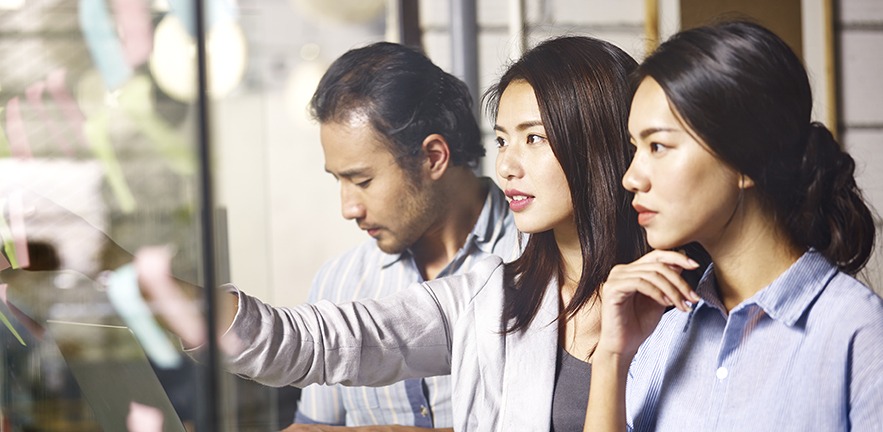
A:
{"x": 95, "y": 160}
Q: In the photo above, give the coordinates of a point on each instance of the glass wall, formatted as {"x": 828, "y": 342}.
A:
{"x": 109, "y": 142}
{"x": 98, "y": 157}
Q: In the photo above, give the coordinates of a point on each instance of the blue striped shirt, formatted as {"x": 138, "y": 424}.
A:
{"x": 803, "y": 354}
{"x": 368, "y": 272}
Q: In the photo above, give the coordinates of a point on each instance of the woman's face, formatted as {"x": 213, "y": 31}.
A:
{"x": 528, "y": 171}
{"x": 683, "y": 193}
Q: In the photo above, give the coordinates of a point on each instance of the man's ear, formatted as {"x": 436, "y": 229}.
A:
{"x": 745, "y": 182}
{"x": 438, "y": 155}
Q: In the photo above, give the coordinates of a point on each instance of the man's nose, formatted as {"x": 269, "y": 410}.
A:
{"x": 351, "y": 206}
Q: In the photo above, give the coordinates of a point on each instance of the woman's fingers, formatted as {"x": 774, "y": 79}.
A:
{"x": 656, "y": 275}
{"x": 662, "y": 283}
{"x": 672, "y": 258}
{"x": 647, "y": 283}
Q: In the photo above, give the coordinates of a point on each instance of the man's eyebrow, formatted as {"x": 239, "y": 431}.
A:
{"x": 349, "y": 173}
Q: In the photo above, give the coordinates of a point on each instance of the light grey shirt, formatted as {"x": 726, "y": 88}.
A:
{"x": 501, "y": 382}
{"x": 366, "y": 272}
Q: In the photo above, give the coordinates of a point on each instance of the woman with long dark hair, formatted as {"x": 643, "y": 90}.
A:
{"x": 778, "y": 335}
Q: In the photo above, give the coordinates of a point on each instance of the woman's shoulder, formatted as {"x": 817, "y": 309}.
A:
{"x": 851, "y": 301}
{"x": 484, "y": 272}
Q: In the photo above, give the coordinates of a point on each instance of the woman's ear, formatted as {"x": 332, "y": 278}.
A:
{"x": 745, "y": 182}
{"x": 438, "y": 155}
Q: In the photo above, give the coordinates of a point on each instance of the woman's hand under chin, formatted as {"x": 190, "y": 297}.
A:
{"x": 635, "y": 296}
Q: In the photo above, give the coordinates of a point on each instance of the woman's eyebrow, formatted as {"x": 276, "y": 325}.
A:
{"x": 521, "y": 126}
{"x": 650, "y": 131}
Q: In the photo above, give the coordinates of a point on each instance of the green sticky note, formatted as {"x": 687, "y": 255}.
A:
{"x": 5, "y": 150}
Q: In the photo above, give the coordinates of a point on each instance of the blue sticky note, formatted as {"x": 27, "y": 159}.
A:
{"x": 124, "y": 294}
{"x": 104, "y": 43}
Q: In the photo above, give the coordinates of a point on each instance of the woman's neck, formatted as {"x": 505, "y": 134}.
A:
{"x": 749, "y": 256}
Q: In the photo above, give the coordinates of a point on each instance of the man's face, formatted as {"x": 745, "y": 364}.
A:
{"x": 392, "y": 205}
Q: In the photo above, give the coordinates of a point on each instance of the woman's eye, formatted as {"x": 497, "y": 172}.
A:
{"x": 533, "y": 139}
{"x": 656, "y": 147}
{"x": 500, "y": 142}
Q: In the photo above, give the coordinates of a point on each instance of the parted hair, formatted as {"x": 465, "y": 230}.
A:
{"x": 583, "y": 92}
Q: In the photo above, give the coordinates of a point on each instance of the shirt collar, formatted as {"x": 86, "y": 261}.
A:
{"x": 786, "y": 298}
{"x": 487, "y": 230}
{"x": 492, "y": 220}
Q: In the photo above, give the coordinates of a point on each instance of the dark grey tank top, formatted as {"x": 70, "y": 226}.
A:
{"x": 572, "y": 377}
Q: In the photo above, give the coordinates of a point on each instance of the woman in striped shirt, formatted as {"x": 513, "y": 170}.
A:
{"x": 778, "y": 335}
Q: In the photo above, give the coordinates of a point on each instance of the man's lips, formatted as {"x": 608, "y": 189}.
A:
{"x": 371, "y": 230}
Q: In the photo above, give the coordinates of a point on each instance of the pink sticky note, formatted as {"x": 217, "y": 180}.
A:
{"x": 15, "y": 131}
{"x": 144, "y": 418}
{"x": 136, "y": 32}
{"x": 34, "y": 93}
{"x": 34, "y": 96}
{"x": 17, "y": 227}
{"x": 69, "y": 109}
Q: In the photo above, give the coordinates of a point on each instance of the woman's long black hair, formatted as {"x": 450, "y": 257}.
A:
{"x": 583, "y": 92}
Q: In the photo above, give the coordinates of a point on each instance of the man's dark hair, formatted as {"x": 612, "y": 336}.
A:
{"x": 405, "y": 98}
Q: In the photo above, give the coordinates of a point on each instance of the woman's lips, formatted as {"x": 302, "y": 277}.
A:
{"x": 520, "y": 202}
{"x": 645, "y": 215}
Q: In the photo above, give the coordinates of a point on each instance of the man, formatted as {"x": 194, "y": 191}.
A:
{"x": 399, "y": 135}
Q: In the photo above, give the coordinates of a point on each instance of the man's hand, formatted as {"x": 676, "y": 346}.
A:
{"x": 178, "y": 305}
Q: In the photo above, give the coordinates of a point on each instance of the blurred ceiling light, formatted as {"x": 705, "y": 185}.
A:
{"x": 11, "y": 4}
{"x": 309, "y": 51}
{"x": 160, "y": 5}
{"x": 173, "y": 61}
{"x": 345, "y": 11}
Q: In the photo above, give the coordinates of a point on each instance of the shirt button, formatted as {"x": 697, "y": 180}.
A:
{"x": 722, "y": 373}
{"x": 424, "y": 411}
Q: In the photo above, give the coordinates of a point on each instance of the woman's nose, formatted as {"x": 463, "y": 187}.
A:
{"x": 509, "y": 163}
{"x": 634, "y": 179}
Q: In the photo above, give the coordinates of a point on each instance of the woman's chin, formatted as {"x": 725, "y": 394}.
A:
{"x": 658, "y": 242}
{"x": 531, "y": 228}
